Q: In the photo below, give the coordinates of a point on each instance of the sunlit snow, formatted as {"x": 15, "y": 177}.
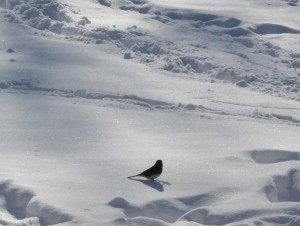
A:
{"x": 94, "y": 91}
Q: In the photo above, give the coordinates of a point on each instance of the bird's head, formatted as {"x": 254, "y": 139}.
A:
{"x": 158, "y": 162}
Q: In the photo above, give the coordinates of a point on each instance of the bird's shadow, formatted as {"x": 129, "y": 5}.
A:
{"x": 155, "y": 184}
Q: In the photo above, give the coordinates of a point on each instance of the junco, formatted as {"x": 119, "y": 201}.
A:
{"x": 153, "y": 172}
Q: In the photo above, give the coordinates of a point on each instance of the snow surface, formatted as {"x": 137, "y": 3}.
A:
{"x": 94, "y": 91}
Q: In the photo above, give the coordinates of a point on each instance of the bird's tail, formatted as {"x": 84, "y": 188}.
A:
{"x": 135, "y": 175}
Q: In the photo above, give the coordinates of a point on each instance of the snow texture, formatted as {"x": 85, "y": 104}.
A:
{"x": 93, "y": 91}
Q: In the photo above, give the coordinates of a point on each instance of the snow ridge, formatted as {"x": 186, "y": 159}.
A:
{"x": 32, "y": 86}
{"x": 19, "y": 207}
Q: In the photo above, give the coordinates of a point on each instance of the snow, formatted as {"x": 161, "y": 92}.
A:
{"x": 92, "y": 92}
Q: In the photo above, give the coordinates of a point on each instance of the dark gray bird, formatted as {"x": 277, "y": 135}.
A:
{"x": 153, "y": 172}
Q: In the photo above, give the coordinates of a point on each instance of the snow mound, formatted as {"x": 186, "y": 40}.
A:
{"x": 202, "y": 209}
{"x": 166, "y": 210}
{"x": 284, "y": 188}
{"x": 46, "y": 214}
{"x": 18, "y": 206}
